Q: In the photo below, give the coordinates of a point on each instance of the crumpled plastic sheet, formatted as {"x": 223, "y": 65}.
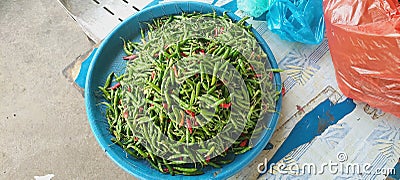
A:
{"x": 364, "y": 41}
{"x": 297, "y": 20}
{"x": 254, "y": 8}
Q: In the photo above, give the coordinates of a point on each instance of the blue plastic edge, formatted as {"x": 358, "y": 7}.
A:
{"x": 82, "y": 76}
{"x": 226, "y": 173}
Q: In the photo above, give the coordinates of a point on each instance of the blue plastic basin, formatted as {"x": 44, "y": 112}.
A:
{"x": 108, "y": 58}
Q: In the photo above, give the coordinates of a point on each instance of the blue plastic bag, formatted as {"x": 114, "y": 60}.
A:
{"x": 297, "y": 20}
{"x": 254, "y": 8}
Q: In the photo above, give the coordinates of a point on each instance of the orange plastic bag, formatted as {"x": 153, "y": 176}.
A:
{"x": 364, "y": 41}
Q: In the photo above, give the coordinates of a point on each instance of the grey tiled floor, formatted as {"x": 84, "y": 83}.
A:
{"x": 43, "y": 125}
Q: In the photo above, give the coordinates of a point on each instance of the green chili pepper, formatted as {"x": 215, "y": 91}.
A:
{"x": 144, "y": 107}
{"x": 189, "y": 170}
{"x": 126, "y": 49}
{"x": 108, "y": 81}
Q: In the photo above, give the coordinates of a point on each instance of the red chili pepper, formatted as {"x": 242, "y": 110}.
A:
{"x": 251, "y": 67}
{"x": 243, "y": 143}
{"x": 189, "y": 126}
{"x": 169, "y": 120}
{"x": 215, "y": 32}
{"x": 129, "y": 89}
{"x": 140, "y": 109}
{"x": 258, "y": 75}
{"x": 190, "y": 113}
{"x": 283, "y": 91}
{"x": 175, "y": 70}
{"x": 136, "y": 139}
{"x": 225, "y": 105}
{"x": 115, "y": 86}
{"x": 165, "y": 105}
{"x": 126, "y": 114}
{"x": 271, "y": 76}
{"x": 183, "y": 54}
{"x": 202, "y": 51}
{"x": 226, "y": 149}
{"x": 156, "y": 55}
{"x": 153, "y": 74}
{"x": 181, "y": 158}
{"x": 131, "y": 57}
{"x": 165, "y": 170}
{"x": 208, "y": 159}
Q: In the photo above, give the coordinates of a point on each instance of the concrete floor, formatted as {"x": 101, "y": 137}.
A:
{"x": 43, "y": 124}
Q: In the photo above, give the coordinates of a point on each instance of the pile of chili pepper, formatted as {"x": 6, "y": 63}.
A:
{"x": 179, "y": 91}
